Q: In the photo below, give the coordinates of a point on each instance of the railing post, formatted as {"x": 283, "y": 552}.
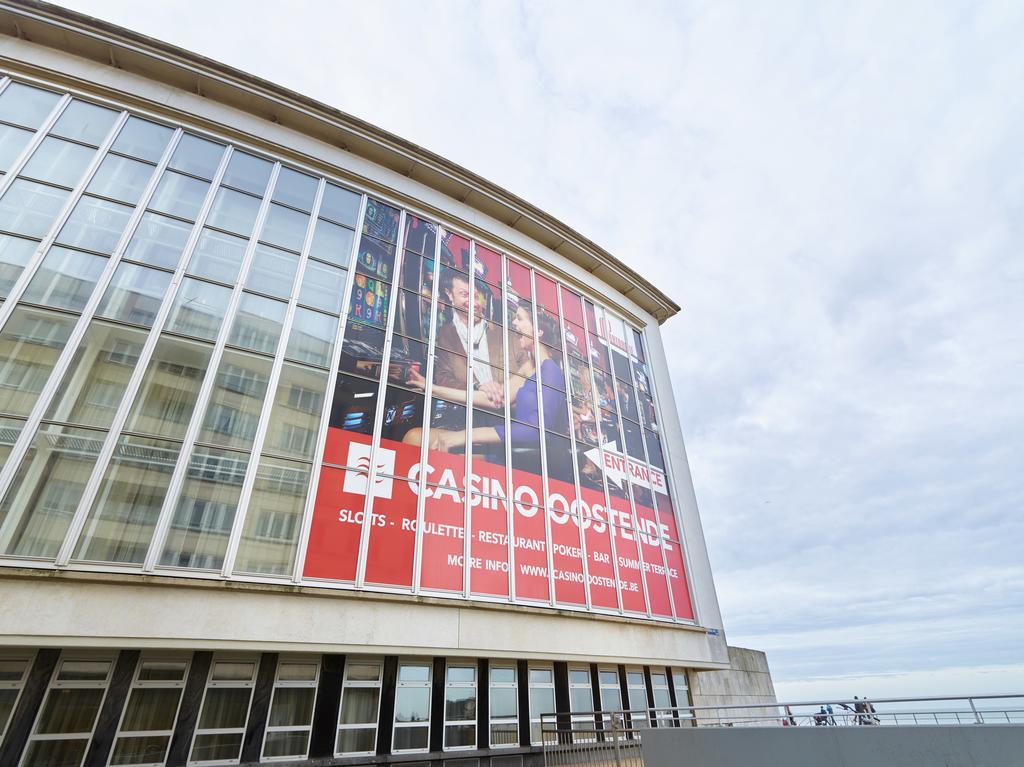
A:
{"x": 977, "y": 716}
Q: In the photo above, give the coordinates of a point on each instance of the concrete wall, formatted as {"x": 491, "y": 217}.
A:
{"x": 107, "y": 610}
{"x": 966, "y": 746}
{"x": 748, "y": 681}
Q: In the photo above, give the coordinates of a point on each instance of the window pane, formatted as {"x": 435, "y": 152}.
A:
{"x": 248, "y": 173}
{"x": 272, "y": 271}
{"x": 408, "y": 738}
{"x": 25, "y": 105}
{"x": 179, "y": 195}
{"x": 85, "y": 122}
{"x": 198, "y": 309}
{"x": 238, "y": 394}
{"x": 224, "y": 707}
{"x": 235, "y": 671}
{"x": 359, "y": 705}
{"x": 461, "y": 674}
{"x": 83, "y": 670}
{"x": 357, "y": 741}
{"x": 295, "y": 189}
{"x": 459, "y": 703}
{"x": 340, "y": 205}
{"x": 15, "y": 252}
{"x": 120, "y": 178}
{"x": 505, "y": 734}
{"x": 580, "y": 699}
{"x": 332, "y": 243}
{"x": 158, "y": 241}
{"x": 95, "y": 382}
{"x": 10, "y": 428}
{"x": 285, "y": 227}
{"x": 152, "y": 708}
{"x": 412, "y": 704}
{"x": 459, "y": 735}
{"x": 296, "y": 672}
{"x": 542, "y": 701}
{"x": 298, "y": 405}
{"x": 504, "y": 702}
{"x": 257, "y": 323}
{"x": 134, "y": 294}
{"x": 56, "y": 752}
{"x": 162, "y": 670}
{"x": 501, "y": 674}
{"x": 217, "y": 747}
{"x": 58, "y": 162}
{"x": 143, "y": 139}
{"x": 128, "y": 502}
{"x": 280, "y": 744}
{"x": 65, "y": 279}
{"x": 217, "y": 256}
{"x": 168, "y": 392}
{"x": 579, "y": 677}
{"x": 323, "y": 287}
{"x": 69, "y": 711}
{"x": 29, "y": 208}
{"x": 147, "y": 749}
{"x": 95, "y": 224}
{"x": 196, "y": 156}
{"x": 234, "y": 211}
{"x": 205, "y": 510}
{"x": 364, "y": 672}
{"x": 413, "y": 673}
{"x": 292, "y": 707}
{"x": 46, "y": 489}
{"x": 30, "y": 343}
{"x": 12, "y": 142}
{"x": 274, "y": 517}
{"x": 541, "y": 676}
{"x": 312, "y": 337}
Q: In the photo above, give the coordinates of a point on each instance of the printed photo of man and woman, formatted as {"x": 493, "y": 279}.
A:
{"x": 535, "y": 335}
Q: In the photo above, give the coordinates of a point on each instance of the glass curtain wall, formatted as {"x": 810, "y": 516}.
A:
{"x": 212, "y": 361}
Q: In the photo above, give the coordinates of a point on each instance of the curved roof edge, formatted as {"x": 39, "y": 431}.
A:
{"x": 52, "y": 26}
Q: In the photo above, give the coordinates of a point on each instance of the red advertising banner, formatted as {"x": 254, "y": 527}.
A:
{"x": 579, "y": 529}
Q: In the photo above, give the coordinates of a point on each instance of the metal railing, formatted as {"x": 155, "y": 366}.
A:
{"x": 613, "y": 738}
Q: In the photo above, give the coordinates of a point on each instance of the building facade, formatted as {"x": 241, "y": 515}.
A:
{"x": 314, "y": 447}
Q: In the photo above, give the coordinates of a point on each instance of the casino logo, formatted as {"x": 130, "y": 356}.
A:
{"x": 356, "y": 481}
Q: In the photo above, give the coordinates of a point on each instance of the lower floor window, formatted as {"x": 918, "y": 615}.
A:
{"x": 65, "y": 723}
{"x": 225, "y": 711}
{"x": 291, "y": 709}
{"x": 412, "y": 708}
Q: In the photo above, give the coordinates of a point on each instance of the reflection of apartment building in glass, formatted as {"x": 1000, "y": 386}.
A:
{"x": 226, "y": 314}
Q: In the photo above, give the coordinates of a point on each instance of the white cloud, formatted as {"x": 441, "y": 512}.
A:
{"x": 837, "y": 190}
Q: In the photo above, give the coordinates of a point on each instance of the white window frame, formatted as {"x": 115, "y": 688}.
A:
{"x": 681, "y": 684}
{"x": 399, "y": 684}
{"x": 450, "y": 685}
{"x": 606, "y": 716}
{"x": 586, "y": 719}
{"x": 285, "y": 660}
{"x": 631, "y": 685}
{"x": 212, "y": 684}
{"x": 493, "y": 720}
{"x": 531, "y": 685}
{"x": 138, "y": 684}
{"x": 84, "y": 684}
{"x": 662, "y": 714}
{"x": 348, "y": 684}
{"x": 18, "y": 685}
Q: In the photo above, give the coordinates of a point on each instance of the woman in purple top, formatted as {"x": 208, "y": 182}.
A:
{"x": 524, "y": 398}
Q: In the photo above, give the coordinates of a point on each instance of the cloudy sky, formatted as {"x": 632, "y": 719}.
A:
{"x": 834, "y": 195}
